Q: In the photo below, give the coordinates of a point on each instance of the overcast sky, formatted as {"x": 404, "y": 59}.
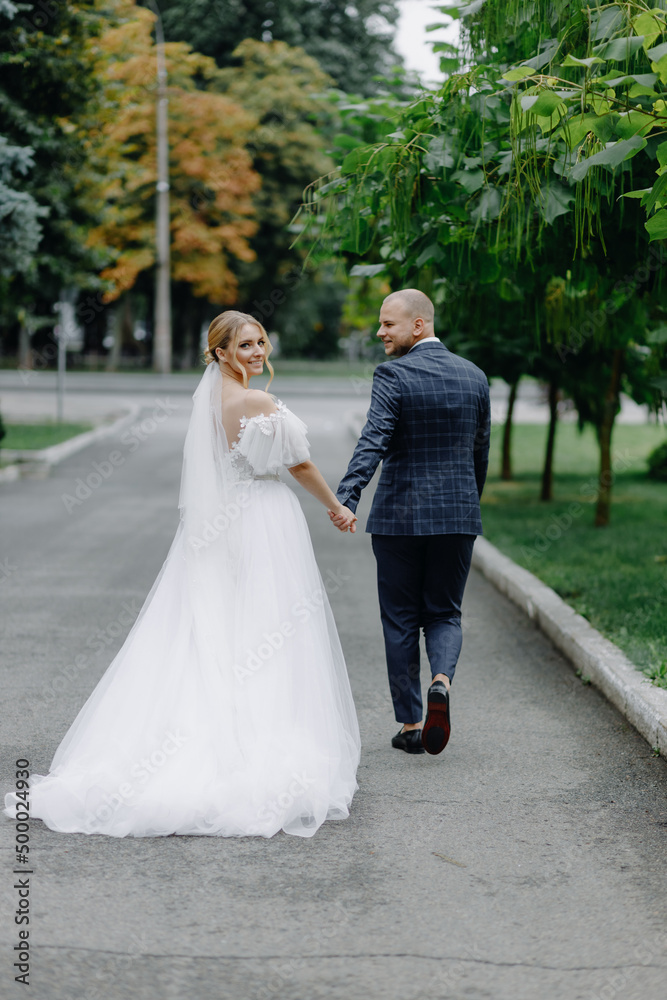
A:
{"x": 412, "y": 38}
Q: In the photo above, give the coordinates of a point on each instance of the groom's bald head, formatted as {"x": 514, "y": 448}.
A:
{"x": 406, "y": 317}
{"x": 415, "y": 305}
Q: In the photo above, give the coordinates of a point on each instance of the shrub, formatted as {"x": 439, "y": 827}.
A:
{"x": 657, "y": 463}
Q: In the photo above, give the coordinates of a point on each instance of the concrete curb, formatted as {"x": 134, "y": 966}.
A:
{"x": 609, "y": 669}
{"x": 27, "y": 459}
{"x": 10, "y": 473}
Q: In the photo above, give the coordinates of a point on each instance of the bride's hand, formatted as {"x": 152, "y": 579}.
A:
{"x": 343, "y": 518}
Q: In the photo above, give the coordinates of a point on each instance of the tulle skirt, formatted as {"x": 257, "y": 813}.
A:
{"x": 228, "y": 710}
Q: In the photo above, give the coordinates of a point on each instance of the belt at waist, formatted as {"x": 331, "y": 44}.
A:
{"x": 269, "y": 475}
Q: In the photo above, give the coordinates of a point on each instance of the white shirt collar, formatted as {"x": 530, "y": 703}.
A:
{"x": 423, "y": 341}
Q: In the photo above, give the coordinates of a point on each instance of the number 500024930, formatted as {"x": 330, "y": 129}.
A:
{"x": 22, "y": 810}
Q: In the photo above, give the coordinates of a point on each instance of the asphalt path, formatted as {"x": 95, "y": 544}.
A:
{"x": 527, "y": 862}
{"x": 85, "y": 392}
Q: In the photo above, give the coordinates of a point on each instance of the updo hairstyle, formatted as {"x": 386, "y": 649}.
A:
{"x": 225, "y": 331}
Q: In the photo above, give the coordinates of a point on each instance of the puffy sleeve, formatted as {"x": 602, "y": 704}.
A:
{"x": 294, "y": 447}
{"x": 272, "y": 442}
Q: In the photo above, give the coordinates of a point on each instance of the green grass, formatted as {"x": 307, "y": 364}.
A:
{"x": 23, "y": 436}
{"x": 616, "y": 577}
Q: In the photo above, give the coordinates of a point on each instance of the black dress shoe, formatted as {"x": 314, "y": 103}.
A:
{"x": 437, "y": 727}
{"x": 410, "y": 741}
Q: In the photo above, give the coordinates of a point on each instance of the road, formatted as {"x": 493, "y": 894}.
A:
{"x": 527, "y": 862}
{"x": 99, "y": 394}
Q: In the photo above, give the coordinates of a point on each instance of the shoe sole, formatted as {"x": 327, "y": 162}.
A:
{"x": 437, "y": 727}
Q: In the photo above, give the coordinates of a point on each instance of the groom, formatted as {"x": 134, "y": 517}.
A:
{"x": 428, "y": 424}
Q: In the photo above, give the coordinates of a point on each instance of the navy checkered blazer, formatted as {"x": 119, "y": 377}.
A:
{"x": 428, "y": 424}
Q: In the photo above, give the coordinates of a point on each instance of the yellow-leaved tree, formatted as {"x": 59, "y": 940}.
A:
{"x": 211, "y": 176}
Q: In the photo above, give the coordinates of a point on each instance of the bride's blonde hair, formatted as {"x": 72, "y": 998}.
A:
{"x": 225, "y": 331}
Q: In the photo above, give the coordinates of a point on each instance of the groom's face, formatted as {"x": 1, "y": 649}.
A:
{"x": 398, "y": 331}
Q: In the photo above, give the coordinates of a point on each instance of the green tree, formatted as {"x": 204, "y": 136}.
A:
{"x": 19, "y": 212}
{"x": 284, "y": 91}
{"x": 46, "y": 77}
{"x": 309, "y": 323}
{"x": 515, "y": 168}
{"x": 352, "y": 42}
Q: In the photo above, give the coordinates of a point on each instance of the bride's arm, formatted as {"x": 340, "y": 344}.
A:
{"x": 309, "y": 476}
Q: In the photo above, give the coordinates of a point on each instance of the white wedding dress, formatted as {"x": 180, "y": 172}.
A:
{"x": 228, "y": 709}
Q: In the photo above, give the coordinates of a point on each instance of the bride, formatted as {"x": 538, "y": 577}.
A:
{"x": 228, "y": 709}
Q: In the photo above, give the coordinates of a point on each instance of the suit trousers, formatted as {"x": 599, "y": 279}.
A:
{"x": 421, "y": 579}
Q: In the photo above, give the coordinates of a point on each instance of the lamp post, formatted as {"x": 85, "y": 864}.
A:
{"x": 67, "y": 332}
{"x": 162, "y": 316}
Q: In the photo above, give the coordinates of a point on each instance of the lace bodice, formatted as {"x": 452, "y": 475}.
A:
{"x": 268, "y": 442}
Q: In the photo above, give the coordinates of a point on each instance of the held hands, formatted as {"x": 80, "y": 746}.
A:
{"x": 343, "y": 518}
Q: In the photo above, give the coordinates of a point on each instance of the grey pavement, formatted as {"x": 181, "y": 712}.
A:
{"x": 527, "y": 862}
{"x": 99, "y": 394}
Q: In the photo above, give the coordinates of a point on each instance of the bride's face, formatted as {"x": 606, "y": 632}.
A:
{"x": 251, "y": 351}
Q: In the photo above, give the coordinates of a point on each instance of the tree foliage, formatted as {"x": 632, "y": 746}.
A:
{"x": 537, "y": 161}
{"x": 211, "y": 175}
{"x": 46, "y": 77}
{"x": 19, "y": 212}
{"x": 352, "y": 42}
{"x": 284, "y": 91}
{"x": 78, "y": 171}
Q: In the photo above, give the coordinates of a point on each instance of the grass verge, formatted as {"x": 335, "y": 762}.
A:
{"x": 616, "y": 577}
{"x": 37, "y": 436}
